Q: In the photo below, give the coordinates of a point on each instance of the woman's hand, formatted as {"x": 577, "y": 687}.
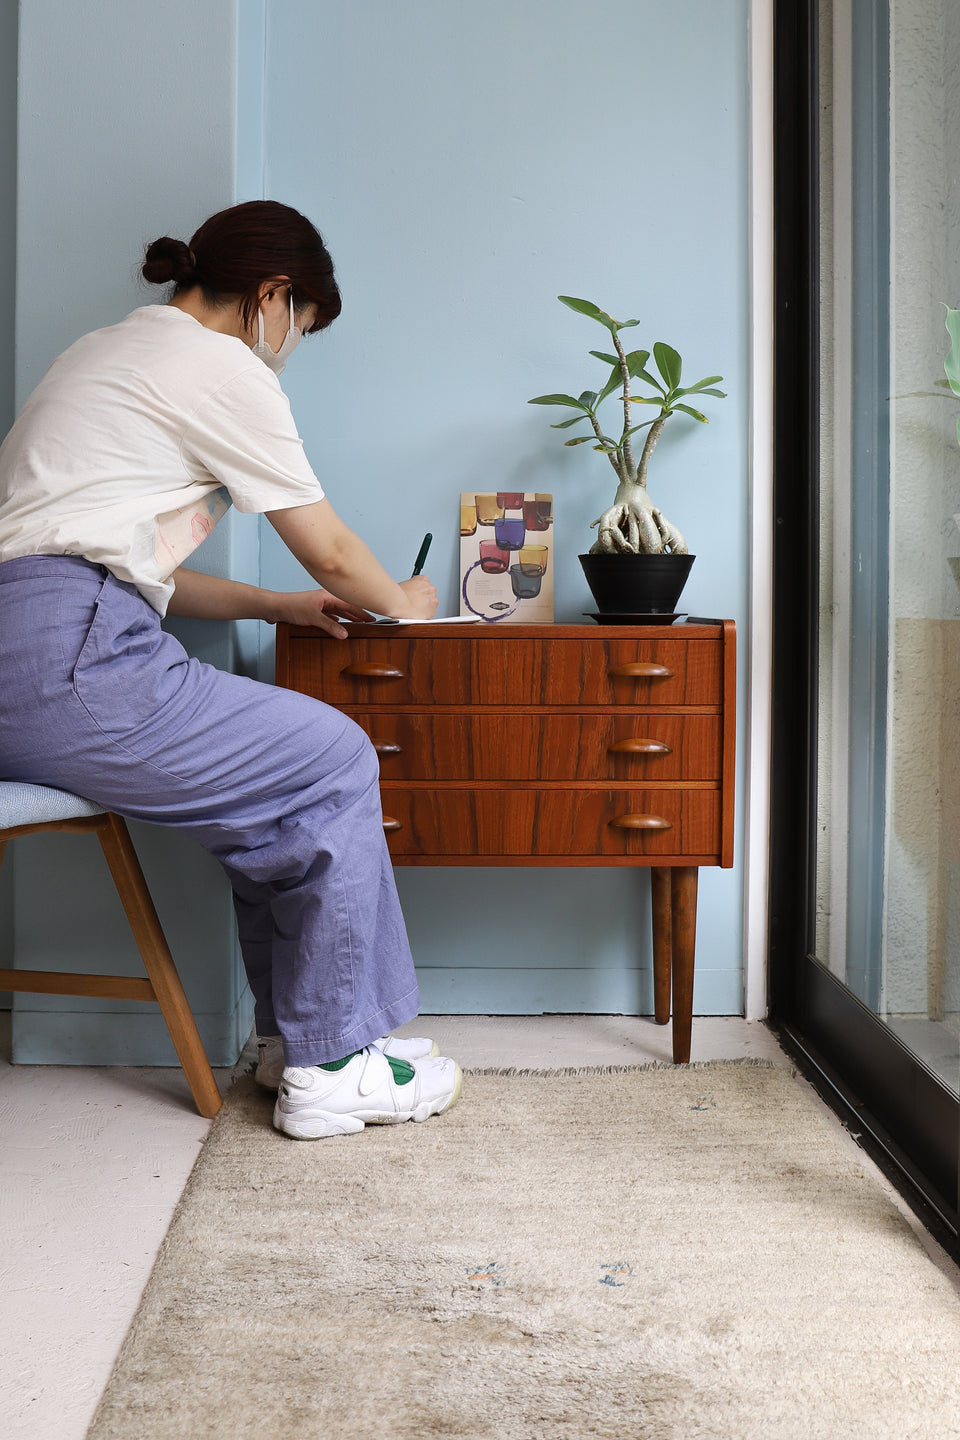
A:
{"x": 211, "y": 597}
{"x": 318, "y": 608}
{"x": 322, "y": 610}
{"x": 421, "y": 599}
{"x": 333, "y": 555}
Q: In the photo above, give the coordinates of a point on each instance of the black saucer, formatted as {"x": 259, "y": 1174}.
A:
{"x": 636, "y": 617}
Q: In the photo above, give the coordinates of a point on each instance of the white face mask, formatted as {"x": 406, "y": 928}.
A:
{"x": 275, "y": 360}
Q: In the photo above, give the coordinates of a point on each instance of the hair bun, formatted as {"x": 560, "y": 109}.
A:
{"x": 166, "y": 260}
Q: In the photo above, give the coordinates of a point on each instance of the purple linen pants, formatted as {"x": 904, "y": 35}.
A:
{"x": 96, "y": 698}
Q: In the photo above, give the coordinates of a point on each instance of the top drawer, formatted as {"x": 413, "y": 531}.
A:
{"x": 505, "y": 670}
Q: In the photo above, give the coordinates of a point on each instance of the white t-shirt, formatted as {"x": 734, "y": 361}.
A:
{"x": 137, "y": 440}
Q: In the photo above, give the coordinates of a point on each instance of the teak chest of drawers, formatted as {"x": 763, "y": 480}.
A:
{"x": 548, "y": 745}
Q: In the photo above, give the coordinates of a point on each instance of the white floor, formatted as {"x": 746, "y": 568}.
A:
{"x": 94, "y": 1161}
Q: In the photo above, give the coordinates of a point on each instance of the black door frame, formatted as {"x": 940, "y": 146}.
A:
{"x": 901, "y": 1113}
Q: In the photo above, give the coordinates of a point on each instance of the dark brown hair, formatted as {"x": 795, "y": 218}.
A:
{"x": 234, "y": 251}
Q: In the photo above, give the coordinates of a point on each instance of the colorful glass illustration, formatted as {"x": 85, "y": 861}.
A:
{"x": 538, "y": 512}
{"x": 510, "y": 534}
{"x": 493, "y": 560}
{"x": 488, "y": 510}
{"x": 526, "y": 581}
{"x": 534, "y": 555}
{"x": 506, "y": 574}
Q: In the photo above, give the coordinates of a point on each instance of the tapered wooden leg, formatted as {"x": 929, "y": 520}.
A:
{"x": 683, "y": 892}
{"x": 158, "y": 962}
{"x": 662, "y": 942}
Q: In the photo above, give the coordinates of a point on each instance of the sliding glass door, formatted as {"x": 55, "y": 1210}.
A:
{"x": 866, "y": 860}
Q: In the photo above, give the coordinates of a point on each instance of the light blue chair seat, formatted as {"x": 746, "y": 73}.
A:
{"x": 26, "y": 809}
{"x": 23, "y": 804}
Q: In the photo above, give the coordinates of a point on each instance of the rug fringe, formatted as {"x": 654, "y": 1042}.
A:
{"x": 565, "y": 1072}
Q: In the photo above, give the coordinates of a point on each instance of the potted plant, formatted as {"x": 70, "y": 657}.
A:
{"x": 639, "y": 561}
{"x": 950, "y": 387}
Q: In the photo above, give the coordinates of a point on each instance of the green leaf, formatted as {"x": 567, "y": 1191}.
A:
{"x": 642, "y": 426}
{"x": 699, "y": 390}
{"x": 668, "y": 363}
{"x": 587, "y": 307}
{"x": 556, "y": 400}
{"x": 614, "y": 383}
{"x": 606, "y": 449}
{"x": 565, "y": 424}
{"x": 588, "y": 399}
{"x": 593, "y": 312}
{"x": 580, "y": 440}
{"x": 612, "y": 359}
{"x": 689, "y": 410}
{"x": 710, "y": 380}
{"x": 951, "y": 365}
{"x": 645, "y": 375}
{"x": 636, "y": 361}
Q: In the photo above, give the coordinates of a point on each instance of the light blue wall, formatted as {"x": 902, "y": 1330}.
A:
{"x": 127, "y": 130}
{"x": 8, "y": 252}
{"x": 466, "y": 165}
{"x": 8, "y": 201}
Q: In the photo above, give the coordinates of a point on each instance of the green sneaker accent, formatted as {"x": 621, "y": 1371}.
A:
{"x": 339, "y": 1064}
{"x": 403, "y": 1072}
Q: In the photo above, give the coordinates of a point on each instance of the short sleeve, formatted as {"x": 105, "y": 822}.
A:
{"x": 244, "y": 435}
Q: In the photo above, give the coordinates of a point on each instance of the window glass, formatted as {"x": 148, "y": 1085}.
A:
{"x": 888, "y": 755}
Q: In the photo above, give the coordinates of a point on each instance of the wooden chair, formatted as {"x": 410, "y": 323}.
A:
{"x": 32, "y": 809}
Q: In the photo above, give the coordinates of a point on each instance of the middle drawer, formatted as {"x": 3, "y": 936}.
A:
{"x": 529, "y": 746}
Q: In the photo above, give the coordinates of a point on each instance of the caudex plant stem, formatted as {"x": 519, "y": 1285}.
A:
{"x": 632, "y": 524}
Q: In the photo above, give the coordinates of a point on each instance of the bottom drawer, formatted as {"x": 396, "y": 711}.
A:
{"x": 447, "y": 821}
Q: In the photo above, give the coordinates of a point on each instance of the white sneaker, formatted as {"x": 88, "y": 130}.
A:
{"x": 368, "y": 1090}
{"x": 270, "y": 1060}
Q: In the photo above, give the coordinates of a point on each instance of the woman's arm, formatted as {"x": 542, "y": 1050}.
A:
{"x": 336, "y": 557}
{"x": 208, "y": 597}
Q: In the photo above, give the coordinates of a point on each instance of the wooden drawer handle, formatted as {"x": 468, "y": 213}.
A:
{"x": 640, "y": 822}
{"x": 390, "y": 824}
{"x": 387, "y": 747}
{"x": 640, "y": 670}
{"x": 370, "y": 670}
{"x": 636, "y": 746}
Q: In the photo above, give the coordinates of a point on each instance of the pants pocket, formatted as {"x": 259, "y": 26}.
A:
{"x": 116, "y": 673}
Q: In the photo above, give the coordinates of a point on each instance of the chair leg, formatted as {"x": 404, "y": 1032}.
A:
{"x": 158, "y": 962}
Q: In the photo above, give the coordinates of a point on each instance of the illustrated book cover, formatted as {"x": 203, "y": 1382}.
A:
{"x": 506, "y": 559}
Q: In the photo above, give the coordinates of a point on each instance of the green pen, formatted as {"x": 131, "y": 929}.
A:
{"x": 422, "y": 554}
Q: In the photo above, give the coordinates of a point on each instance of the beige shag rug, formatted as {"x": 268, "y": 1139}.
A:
{"x": 646, "y": 1254}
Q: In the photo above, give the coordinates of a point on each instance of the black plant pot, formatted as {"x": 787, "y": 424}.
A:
{"x": 637, "y": 584}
